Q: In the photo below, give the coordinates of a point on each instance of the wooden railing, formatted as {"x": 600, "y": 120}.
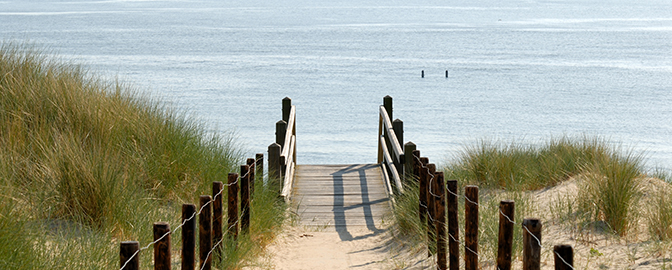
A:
{"x": 282, "y": 153}
{"x": 390, "y": 154}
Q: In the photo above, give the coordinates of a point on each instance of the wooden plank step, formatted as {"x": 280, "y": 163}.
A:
{"x": 340, "y": 195}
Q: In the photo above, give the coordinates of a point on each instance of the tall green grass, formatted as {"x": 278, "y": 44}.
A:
{"x": 518, "y": 166}
{"x": 609, "y": 180}
{"x": 608, "y": 194}
{"x": 86, "y": 163}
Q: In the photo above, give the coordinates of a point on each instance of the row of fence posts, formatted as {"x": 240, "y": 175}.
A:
{"x": 276, "y": 168}
{"x": 433, "y": 201}
{"x": 210, "y": 220}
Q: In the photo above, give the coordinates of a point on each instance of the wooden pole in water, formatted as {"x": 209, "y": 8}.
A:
{"x": 162, "y": 247}
{"x": 189, "y": 237}
{"x": 422, "y": 74}
{"x": 126, "y": 250}
{"x": 453, "y": 226}
{"x": 471, "y": 228}
{"x": 505, "y": 239}
{"x": 205, "y": 232}
{"x": 531, "y": 244}
{"x": 446, "y": 73}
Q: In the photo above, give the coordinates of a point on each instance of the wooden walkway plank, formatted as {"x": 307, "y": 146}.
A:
{"x": 342, "y": 197}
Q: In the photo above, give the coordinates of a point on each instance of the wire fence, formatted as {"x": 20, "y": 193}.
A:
{"x": 432, "y": 176}
{"x": 252, "y": 168}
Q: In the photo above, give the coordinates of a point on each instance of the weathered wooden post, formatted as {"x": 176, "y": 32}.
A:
{"x": 253, "y": 171}
{"x": 431, "y": 204}
{"x": 423, "y": 189}
{"x": 564, "y": 257}
{"x": 453, "y": 226}
{"x": 398, "y": 127}
{"x": 409, "y": 147}
{"x": 387, "y": 103}
{"x": 126, "y": 250}
{"x": 205, "y": 232}
{"x": 505, "y": 239}
{"x": 162, "y": 247}
{"x": 217, "y": 214}
{"x": 259, "y": 166}
{"x": 422, "y": 73}
{"x": 286, "y": 108}
{"x": 189, "y": 237}
{"x": 280, "y": 132}
{"x": 440, "y": 223}
{"x": 245, "y": 198}
{"x": 274, "y": 180}
{"x": 471, "y": 228}
{"x": 531, "y": 244}
{"x": 417, "y": 165}
{"x": 232, "y": 229}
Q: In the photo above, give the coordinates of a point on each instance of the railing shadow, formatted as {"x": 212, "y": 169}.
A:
{"x": 340, "y": 208}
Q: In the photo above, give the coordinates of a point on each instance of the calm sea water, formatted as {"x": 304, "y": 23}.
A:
{"x": 519, "y": 70}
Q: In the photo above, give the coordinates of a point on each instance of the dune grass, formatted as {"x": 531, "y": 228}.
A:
{"x": 610, "y": 188}
{"x": 87, "y": 163}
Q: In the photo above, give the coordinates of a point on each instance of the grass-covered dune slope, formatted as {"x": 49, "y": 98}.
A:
{"x": 583, "y": 189}
{"x": 87, "y": 163}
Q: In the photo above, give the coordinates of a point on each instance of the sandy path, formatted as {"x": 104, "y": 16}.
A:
{"x": 302, "y": 247}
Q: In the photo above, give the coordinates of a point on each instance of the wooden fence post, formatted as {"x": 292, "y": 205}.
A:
{"x": 217, "y": 214}
{"x": 205, "y": 232}
{"x": 471, "y": 228}
{"x": 431, "y": 204}
{"x": 259, "y": 166}
{"x": 453, "y": 226}
{"x": 505, "y": 239}
{"x": 409, "y": 147}
{"x": 162, "y": 247}
{"x": 423, "y": 189}
{"x": 126, "y": 250}
{"x": 274, "y": 180}
{"x": 280, "y": 132}
{"x": 245, "y": 199}
{"x": 189, "y": 237}
{"x": 398, "y": 127}
{"x": 417, "y": 165}
{"x": 387, "y": 103}
{"x": 232, "y": 213}
{"x": 286, "y": 108}
{"x": 564, "y": 257}
{"x": 440, "y": 223}
{"x": 253, "y": 171}
{"x": 531, "y": 244}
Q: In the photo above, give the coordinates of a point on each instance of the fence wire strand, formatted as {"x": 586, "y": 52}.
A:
{"x": 254, "y": 165}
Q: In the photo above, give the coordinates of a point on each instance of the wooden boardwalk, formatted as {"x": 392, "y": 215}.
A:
{"x": 342, "y": 197}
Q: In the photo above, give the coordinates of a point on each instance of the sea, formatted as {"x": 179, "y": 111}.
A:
{"x": 518, "y": 71}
